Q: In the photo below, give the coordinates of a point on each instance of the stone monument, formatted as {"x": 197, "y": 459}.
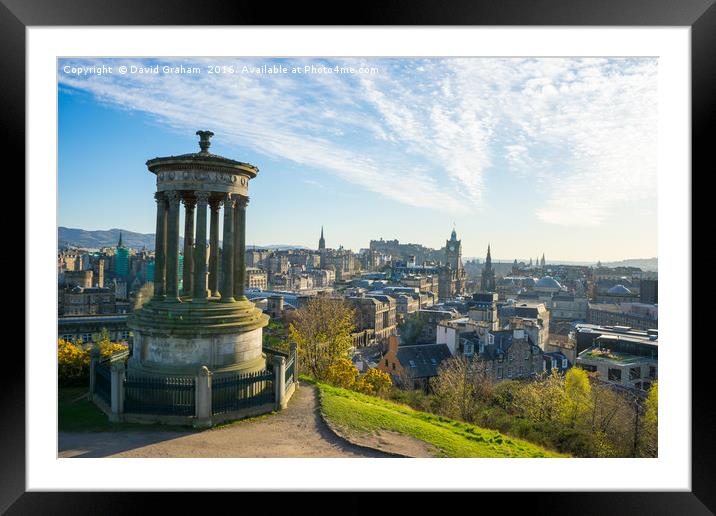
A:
{"x": 209, "y": 322}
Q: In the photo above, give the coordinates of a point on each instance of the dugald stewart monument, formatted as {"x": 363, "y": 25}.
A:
{"x": 209, "y": 322}
{"x": 197, "y": 356}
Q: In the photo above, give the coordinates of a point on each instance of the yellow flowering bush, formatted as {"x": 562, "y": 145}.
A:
{"x": 343, "y": 373}
{"x": 374, "y": 382}
{"x": 73, "y": 360}
{"x": 72, "y": 363}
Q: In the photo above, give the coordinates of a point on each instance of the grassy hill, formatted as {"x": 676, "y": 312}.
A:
{"x": 358, "y": 414}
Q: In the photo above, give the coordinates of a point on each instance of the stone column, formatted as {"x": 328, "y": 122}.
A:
{"x": 227, "y": 252}
{"x": 160, "y": 246}
{"x": 240, "y": 249}
{"x": 117, "y": 390}
{"x": 214, "y": 248}
{"x": 94, "y": 360}
{"x": 200, "y": 293}
{"x": 279, "y": 382}
{"x": 188, "y": 275}
{"x": 172, "y": 282}
{"x": 203, "y": 398}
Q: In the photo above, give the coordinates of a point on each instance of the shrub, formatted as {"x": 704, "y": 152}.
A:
{"x": 374, "y": 382}
{"x": 72, "y": 364}
{"x": 73, "y": 360}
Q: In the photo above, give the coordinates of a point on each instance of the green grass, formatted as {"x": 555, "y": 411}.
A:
{"x": 364, "y": 414}
{"x": 75, "y": 413}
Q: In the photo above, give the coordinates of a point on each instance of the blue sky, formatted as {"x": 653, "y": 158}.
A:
{"x": 530, "y": 155}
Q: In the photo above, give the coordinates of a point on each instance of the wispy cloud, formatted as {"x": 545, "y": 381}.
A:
{"x": 429, "y": 132}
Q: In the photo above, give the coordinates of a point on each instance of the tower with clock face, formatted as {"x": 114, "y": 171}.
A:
{"x": 453, "y": 259}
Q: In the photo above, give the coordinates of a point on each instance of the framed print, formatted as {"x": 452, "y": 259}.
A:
{"x": 429, "y": 240}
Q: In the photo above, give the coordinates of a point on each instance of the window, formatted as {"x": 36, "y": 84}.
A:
{"x": 509, "y": 372}
{"x": 588, "y": 367}
{"x": 499, "y": 372}
{"x": 511, "y": 357}
{"x": 614, "y": 375}
{"x": 412, "y": 364}
{"x": 522, "y": 370}
{"x": 652, "y": 371}
{"x": 393, "y": 366}
{"x": 634, "y": 373}
{"x": 386, "y": 362}
{"x": 646, "y": 386}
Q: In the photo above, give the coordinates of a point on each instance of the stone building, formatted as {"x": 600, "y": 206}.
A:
{"x": 376, "y": 313}
{"x": 639, "y": 316}
{"x": 624, "y": 360}
{"x": 413, "y": 366}
{"x": 87, "y": 301}
{"x": 509, "y": 354}
{"x": 74, "y": 278}
{"x": 482, "y": 308}
{"x": 256, "y": 278}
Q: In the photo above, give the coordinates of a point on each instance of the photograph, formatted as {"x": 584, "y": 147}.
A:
{"x": 358, "y": 257}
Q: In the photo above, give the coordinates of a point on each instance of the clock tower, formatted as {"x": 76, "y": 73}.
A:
{"x": 453, "y": 259}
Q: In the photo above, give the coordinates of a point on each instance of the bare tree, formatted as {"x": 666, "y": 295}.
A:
{"x": 322, "y": 331}
{"x": 461, "y": 385}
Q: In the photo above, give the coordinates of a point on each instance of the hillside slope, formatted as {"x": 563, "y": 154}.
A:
{"x": 356, "y": 415}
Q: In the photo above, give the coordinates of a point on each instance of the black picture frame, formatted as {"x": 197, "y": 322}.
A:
{"x": 17, "y": 15}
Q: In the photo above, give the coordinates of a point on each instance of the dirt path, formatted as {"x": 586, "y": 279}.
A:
{"x": 297, "y": 431}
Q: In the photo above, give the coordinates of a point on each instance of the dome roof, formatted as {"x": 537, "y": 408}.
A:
{"x": 619, "y": 289}
{"x": 548, "y": 282}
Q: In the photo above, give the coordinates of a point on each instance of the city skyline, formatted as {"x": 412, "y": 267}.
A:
{"x": 404, "y": 153}
{"x": 279, "y": 245}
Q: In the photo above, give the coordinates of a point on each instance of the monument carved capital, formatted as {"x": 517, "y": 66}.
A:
{"x": 172, "y": 198}
{"x": 241, "y": 200}
{"x": 189, "y": 202}
{"x": 228, "y": 201}
{"x": 202, "y": 197}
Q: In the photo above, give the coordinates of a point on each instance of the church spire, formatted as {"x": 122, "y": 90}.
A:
{"x": 119, "y": 244}
{"x": 321, "y": 241}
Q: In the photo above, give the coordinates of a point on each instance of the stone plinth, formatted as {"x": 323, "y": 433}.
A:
{"x": 177, "y": 338}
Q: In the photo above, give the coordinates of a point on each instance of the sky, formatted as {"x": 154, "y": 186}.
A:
{"x": 529, "y": 155}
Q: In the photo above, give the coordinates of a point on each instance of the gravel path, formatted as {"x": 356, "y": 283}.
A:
{"x": 297, "y": 431}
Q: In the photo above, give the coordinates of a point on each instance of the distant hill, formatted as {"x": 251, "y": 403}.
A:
{"x": 102, "y": 238}
{"x": 645, "y": 264}
{"x": 108, "y": 238}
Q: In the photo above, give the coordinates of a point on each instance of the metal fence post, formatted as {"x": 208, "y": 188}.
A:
{"x": 117, "y": 390}
{"x": 94, "y": 360}
{"x": 279, "y": 370}
{"x": 203, "y": 398}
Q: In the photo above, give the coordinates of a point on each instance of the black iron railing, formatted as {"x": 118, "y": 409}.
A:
{"x": 231, "y": 392}
{"x": 103, "y": 382}
{"x": 173, "y": 396}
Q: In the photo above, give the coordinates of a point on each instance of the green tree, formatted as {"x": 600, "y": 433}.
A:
{"x": 650, "y": 442}
{"x": 410, "y": 329}
{"x": 322, "y": 332}
{"x": 577, "y": 396}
